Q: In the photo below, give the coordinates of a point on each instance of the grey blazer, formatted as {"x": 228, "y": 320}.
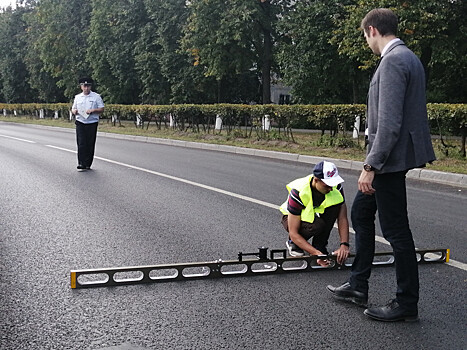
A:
{"x": 398, "y": 133}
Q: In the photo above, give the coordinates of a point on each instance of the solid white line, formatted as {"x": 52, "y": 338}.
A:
{"x": 231, "y": 194}
{"x": 17, "y": 139}
{"x": 451, "y": 262}
{"x": 380, "y": 239}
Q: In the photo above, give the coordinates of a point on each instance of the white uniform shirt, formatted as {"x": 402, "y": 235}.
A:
{"x": 83, "y": 103}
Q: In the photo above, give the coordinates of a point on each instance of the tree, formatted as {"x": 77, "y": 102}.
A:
{"x": 310, "y": 63}
{"x": 164, "y": 68}
{"x": 13, "y": 73}
{"x": 433, "y": 29}
{"x": 114, "y": 30}
{"x": 62, "y": 41}
{"x": 40, "y": 80}
{"x": 231, "y": 38}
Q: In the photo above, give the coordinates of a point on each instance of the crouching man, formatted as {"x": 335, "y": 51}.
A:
{"x": 314, "y": 204}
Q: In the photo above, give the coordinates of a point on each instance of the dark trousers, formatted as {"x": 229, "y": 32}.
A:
{"x": 319, "y": 229}
{"x": 86, "y": 141}
{"x": 390, "y": 200}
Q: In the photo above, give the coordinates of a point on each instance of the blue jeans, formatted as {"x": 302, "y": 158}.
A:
{"x": 390, "y": 200}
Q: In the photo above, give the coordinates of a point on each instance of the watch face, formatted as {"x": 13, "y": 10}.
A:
{"x": 367, "y": 167}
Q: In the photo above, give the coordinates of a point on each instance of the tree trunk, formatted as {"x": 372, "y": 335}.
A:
{"x": 266, "y": 69}
{"x": 425, "y": 58}
{"x": 267, "y": 53}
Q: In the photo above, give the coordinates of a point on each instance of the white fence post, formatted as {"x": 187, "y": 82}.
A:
{"x": 266, "y": 123}
{"x": 172, "y": 122}
{"x": 356, "y": 127}
{"x": 4, "y": 112}
{"x": 71, "y": 116}
{"x": 41, "y": 114}
{"x": 139, "y": 120}
{"x": 218, "y": 122}
{"x": 56, "y": 115}
{"x": 114, "y": 118}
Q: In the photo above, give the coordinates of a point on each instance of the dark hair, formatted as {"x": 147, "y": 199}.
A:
{"x": 382, "y": 19}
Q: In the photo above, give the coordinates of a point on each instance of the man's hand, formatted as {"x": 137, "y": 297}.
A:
{"x": 321, "y": 262}
{"x": 365, "y": 182}
{"x": 342, "y": 254}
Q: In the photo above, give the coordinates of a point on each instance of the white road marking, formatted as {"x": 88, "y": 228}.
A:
{"x": 380, "y": 239}
{"x": 17, "y": 139}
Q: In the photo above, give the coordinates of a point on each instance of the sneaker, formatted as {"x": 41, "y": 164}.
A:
{"x": 293, "y": 249}
{"x": 81, "y": 167}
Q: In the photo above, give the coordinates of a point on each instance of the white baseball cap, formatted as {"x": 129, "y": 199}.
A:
{"x": 328, "y": 173}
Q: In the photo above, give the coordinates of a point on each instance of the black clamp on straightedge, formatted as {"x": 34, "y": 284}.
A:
{"x": 262, "y": 254}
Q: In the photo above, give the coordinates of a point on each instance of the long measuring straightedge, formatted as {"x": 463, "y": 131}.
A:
{"x": 277, "y": 262}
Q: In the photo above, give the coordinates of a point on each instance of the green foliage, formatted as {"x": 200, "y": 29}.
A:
{"x": 208, "y": 51}
{"x": 62, "y": 31}
{"x": 241, "y": 120}
{"x": 310, "y": 63}
{"x": 113, "y": 61}
{"x": 166, "y": 70}
{"x": 449, "y": 119}
{"x": 231, "y": 37}
{"x": 13, "y": 73}
{"x": 433, "y": 29}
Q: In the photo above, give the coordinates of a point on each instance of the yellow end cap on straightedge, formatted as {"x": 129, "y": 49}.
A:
{"x": 73, "y": 279}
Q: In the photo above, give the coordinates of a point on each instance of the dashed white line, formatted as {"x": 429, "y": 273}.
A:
{"x": 17, "y": 139}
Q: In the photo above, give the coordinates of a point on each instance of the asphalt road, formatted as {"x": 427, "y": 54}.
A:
{"x": 136, "y": 208}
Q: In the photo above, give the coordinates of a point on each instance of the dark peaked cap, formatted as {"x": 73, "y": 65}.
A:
{"x": 85, "y": 81}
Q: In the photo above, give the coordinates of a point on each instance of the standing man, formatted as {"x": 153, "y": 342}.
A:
{"x": 314, "y": 204}
{"x": 399, "y": 140}
{"x": 86, "y": 107}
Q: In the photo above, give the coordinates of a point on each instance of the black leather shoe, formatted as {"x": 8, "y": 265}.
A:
{"x": 81, "y": 167}
{"x": 345, "y": 292}
{"x": 391, "y": 312}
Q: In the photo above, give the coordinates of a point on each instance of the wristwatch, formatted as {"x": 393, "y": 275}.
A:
{"x": 345, "y": 243}
{"x": 368, "y": 167}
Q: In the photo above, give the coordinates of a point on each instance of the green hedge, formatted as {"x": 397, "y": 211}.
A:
{"x": 445, "y": 119}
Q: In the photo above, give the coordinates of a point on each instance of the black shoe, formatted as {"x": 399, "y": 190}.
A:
{"x": 81, "y": 167}
{"x": 391, "y": 312}
{"x": 345, "y": 292}
{"x": 88, "y": 168}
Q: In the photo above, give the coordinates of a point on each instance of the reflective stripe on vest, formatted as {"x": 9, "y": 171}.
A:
{"x": 303, "y": 186}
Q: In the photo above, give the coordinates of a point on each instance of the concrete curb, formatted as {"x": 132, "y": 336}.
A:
{"x": 459, "y": 180}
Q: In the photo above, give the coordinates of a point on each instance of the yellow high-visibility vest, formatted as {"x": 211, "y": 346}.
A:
{"x": 303, "y": 186}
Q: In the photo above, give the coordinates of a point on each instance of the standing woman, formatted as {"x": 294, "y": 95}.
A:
{"x": 86, "y": 107}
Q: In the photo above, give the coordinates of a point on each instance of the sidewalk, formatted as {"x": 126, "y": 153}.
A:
{"x": 458, "y": 180}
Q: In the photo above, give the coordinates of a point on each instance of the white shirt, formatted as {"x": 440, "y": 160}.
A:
{"x": 84, "y": 102}
{"x": 389, "y": 44}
